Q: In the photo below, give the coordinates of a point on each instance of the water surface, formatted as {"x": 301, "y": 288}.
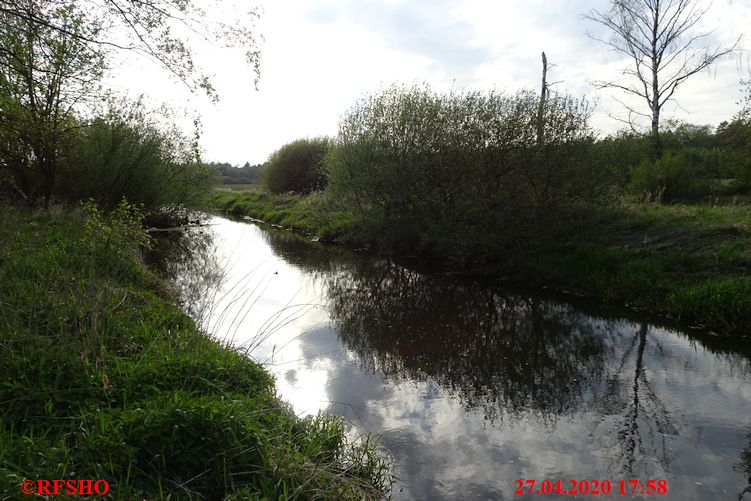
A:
{"x": 472, "y": 386}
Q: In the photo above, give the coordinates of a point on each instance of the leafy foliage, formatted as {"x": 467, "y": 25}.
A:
{"x": 670, "y": 179}
{"x": 45, "y": 72}
{"x": 128, "y": 153}
{"x": 54, "y": 54}
{"x": 620, "y": 152}
{"x": 148, "y": 28}
{"x": 461, "y": 174}
{"x": 296, "y": 167}
{"x": 734, "y": 139}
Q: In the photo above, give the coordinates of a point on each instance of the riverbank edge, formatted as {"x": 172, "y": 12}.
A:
{"x": 695, "y": 290}
{"x": 104, "y": 377}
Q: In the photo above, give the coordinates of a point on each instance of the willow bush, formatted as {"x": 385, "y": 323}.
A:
{"x": 128, "y": 152}
{"x": 296, "y": 167}
{"x": 463, "y": 174}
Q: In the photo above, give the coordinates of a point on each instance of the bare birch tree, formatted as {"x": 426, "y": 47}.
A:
{"x": 658, "y": 37}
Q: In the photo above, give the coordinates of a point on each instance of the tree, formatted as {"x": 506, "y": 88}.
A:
{"x": 657, "y": 36}
{"x": 463, "y": 173}
{"x": 162, "y": 30}
{"x": 297, "y": 166}
{"x": 53, "y": 54}
{"x": 44, "y": 74}
{"x": 745, "y": 112}
{"x": 132, "y": 152}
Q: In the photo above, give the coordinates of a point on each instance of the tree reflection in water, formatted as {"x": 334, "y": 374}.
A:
{"x": 502, "y": 353}
{"x": 745, "y": 467}
{"x": 635, "y": 422}
{"x": 508, "y": 355}
{"x": 188, "y": 261}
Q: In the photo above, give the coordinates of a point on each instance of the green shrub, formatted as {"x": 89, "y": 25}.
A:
{"x": 676, "y": 135}
{"x": 296, "y": 167}
{"x": 670, "y": 179}
{"x": 463, "y": 174}
{"x": 128, "y": 153}
{"x": 621, "y": 151}
{"x": 735, "y": 160}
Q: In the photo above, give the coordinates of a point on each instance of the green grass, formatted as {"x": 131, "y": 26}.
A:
{"x": 696, "y": 216}
{"x": 103, "y": 378}
{"x": 690, "y": 263}
{"x": 249, "y": 187}
{"x": 677, "y": 285}
{"x": 308, "y": 214}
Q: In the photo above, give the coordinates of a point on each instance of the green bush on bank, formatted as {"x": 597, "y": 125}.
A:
{"x": 735, "y": 142}
{"x": 669, "y": 179}
{"x": 296, "y": 167}
{"x": 620, "y": 152}
{"x": 698, "y": 164}
{"x": 464, "y": 175}
{"x": 102, "y": 378}
{"x": 128, "y": 153}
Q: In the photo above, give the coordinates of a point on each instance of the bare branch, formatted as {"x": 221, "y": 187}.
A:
{"x": 614, "y": 85}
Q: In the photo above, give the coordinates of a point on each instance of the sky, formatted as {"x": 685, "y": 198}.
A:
{"x": 320, "y": 56}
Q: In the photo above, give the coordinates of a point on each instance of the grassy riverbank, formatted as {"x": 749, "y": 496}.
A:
{"x": 103, "y": 378}
{"x": 691, "y": 263}
{"x": 306, "y": 214}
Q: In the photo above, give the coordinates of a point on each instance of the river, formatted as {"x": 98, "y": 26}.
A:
{"x": 471, "y": 386}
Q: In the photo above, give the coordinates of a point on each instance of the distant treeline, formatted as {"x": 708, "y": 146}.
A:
{"x": 231, "y": 174}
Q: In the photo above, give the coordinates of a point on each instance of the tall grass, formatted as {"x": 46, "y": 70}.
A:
{"x": 103, "y": 378}
{"x": 313, "y": 214}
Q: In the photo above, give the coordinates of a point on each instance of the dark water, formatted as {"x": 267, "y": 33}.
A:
{"x": 472, "y": 387}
